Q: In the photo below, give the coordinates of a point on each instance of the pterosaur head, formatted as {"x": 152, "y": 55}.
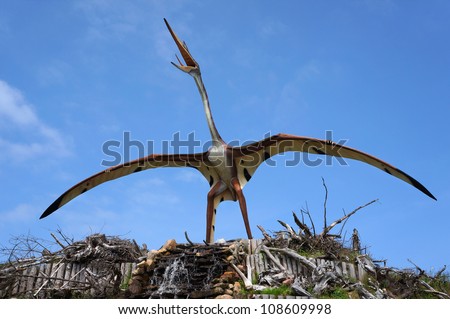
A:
{"x": 191, "y": 66}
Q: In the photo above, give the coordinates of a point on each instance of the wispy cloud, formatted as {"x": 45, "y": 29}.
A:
{"x": 53, "y": 73}
{"x": 32, "y": 136}
{"x": 120, "y": 20}
{"x": 21, "y": 213}
{"x": 110, "y": 19}
{"x": 272, "y": 28}
{"x": 291, "y": 95}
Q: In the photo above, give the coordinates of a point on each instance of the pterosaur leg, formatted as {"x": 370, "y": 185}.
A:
{"x": 210, "y": 210}
{"x": 242, "y": 204}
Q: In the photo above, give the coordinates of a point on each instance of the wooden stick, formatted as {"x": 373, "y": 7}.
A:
{"x": 247, "y": 283}
{"x": 265, "y": 234}
{"x": 187, "y": 238}
{"x": 293, "y": 254}
{"x": 272, "y": 257}
{"x": 57, "y": 241}
{"x": 340, "y": 220}
{"x": 325, "y": 205}
{"x": 302, "y": 226}
{"x": 290, "y": 230}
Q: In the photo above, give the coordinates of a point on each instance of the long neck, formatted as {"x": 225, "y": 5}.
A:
{"x": 212, "y": 127}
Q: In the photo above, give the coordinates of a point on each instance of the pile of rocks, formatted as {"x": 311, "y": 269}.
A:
{"x": 186, "y": 271}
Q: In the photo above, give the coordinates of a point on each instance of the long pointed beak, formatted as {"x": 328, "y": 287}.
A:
{"x": 191, "y": 64}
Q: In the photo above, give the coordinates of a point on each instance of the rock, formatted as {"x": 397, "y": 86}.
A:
{"x": 218, "y": 291}
{"x": 288, "y": 281}
{"x": 229, "y": 276}
{"x": 228, "y": 292}
{"x": 224, "y": 297}
{"x": 237, "y": 288}
{"x": 135, "y": 286}
{"x": 221, "y": 285}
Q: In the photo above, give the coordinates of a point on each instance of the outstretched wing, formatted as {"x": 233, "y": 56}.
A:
{"x": 196, "y": 161}
{"x": 249, "y": 157}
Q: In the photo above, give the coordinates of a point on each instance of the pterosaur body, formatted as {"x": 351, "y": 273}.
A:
{"x": 226, "y": 168}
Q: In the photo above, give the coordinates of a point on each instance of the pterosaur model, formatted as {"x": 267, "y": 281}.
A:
{"x": 227, "y": 169}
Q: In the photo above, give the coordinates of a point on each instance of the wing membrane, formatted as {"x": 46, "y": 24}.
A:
{"x": 251, "y": 156}
{"x": 152, "y": 161}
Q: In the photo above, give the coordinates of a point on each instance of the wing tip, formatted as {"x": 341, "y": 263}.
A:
{"x": 418, "y": 185}
{"x": 425, "y": 191}
{"x": 53, "y": 207}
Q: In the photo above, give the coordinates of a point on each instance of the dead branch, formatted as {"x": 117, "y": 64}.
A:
{"x": 343, "y": 224}
{"x": 431, "y": 290}
{"x": 295, "y": 255}
{"x": 421, "y": 271}
{"x": 290, "y": 230}
{"x": 298, "y": 286}
{"x": 440, "y": 272}
{"x": 302, "y": 226}
{"x": 362, "y": 291}
{"x": 57, "y": 241}
{"x": 247, "y": 283}
{"x": 272, "y": 257}
{"x": 340, "y": 220}
{"x": 265, "y": 234}
{"x": 64, "y": 237}
{"x": 306, "y": 212}
{"x": 325, "y": 204}
{"x": 187, "y": 238}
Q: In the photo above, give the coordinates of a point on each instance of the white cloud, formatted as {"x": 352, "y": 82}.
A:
{"x": 13, "y": 107}
{"x": 18, "y": 115}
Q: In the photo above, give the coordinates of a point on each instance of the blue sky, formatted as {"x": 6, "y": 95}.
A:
{"x": 76, "y": 74}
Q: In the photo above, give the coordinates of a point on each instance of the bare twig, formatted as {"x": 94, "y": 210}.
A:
{"x": 421, "y": 271}
{"x": 187, "y": 238}
{"x": 439, "y": 273}
{"x": 306, "y": 212}
{"x": 63, "y": 236}
{"x": 57, "y": 241}
{"x": 344, "y": 223}
{"x": 340, "y": 220}
{"x": 302, "y": 226}
{"x": 265, "y": 234}
{"x": 290, "y": 230}
{"x": 325, "y": 204}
